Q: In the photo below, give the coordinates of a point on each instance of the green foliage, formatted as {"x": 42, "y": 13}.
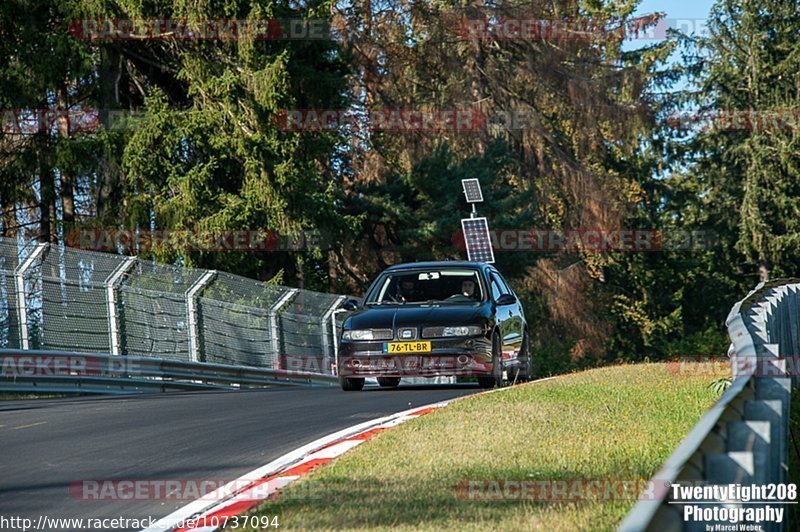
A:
{"x": 744, "y": 180}
{"x": 712, "y": 342}
{"x": 720, "y": 385}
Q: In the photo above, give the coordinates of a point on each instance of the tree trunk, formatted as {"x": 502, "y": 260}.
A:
{"x": 47, "y": 201}
{"x": 299, "y": 274}
{"x": 67, "y": 178}
{"x": 108, "y": 194}
{"x": 333, "y": 273}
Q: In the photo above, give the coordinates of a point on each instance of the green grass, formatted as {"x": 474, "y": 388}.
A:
{"x": 618, "y": 423}
{"x": 18, "y": 396}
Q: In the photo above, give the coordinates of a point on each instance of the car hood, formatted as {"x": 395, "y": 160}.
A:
{"x": 392, "y": 317}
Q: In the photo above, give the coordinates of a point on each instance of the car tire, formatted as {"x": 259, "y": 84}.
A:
{"x": 388, "y": 382}
{"x": 349, "y": 384}
{"x": 524, "y": 372}
{"x": 496, "y": 378}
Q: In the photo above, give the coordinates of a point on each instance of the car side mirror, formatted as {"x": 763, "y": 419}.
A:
{"x": 350, "y": 305}
{"x": 506, "y": 299}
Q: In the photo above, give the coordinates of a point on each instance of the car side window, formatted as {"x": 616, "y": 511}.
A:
{"x": 495, "y": 290}
{"x": 498, "y": 286}
{"x": 504, "y": 288}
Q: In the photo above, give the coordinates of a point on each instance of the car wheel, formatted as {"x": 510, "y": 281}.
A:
{"x": 496, "y": 378}
{"x": 524, "y": 372}
{"x": 351, "y": 384}
{"x": 388, "y": 382}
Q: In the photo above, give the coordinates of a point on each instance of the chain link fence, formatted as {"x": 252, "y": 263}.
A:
{"x": 73, "y": 300}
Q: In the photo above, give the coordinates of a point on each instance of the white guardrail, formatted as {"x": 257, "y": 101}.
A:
{"x": 743, "y": 438}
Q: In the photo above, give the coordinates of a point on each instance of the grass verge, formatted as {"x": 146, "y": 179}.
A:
{"x": 612, "y": 424}
{"x": 18, "y": 396}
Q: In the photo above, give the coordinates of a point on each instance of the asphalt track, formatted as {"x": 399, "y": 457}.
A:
{"x": 46, "y": 445}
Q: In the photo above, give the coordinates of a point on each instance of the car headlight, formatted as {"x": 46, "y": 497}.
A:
{"x": 367, "y": 334}
{"x": 447, "y": 332}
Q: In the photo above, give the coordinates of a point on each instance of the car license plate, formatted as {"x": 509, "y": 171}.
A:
{"x": 400, "y": 348}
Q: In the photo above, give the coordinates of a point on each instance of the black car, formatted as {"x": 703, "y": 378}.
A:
{"x": 431, "y": 319}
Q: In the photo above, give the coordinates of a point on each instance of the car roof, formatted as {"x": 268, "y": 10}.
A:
{"x": 439, "y": 264}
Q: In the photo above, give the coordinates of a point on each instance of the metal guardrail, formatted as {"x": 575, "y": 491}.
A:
{"x": 743, "y": 438}
{"x": 91, "y": 373}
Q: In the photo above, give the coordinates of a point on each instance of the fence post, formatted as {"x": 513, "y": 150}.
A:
{"x": 111, "y": 300}
{"x": 326, "y": 348}
{"x": 22, "y": 304}
{"x": 191, "y": 311}
{"x": 335, "y": 330}
{"x": 273, "y": 320}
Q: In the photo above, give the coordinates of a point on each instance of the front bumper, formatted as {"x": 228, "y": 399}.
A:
{"x": 448, "y": 357}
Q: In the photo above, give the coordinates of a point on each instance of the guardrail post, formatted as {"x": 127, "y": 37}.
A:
{"x": 754, "y": 437}
{"x": 22, "y": 304}
{"x": 335, "y": 330}
{"x": 732, "y": 468}
{"x": 793, "y": 354}
{"x": 769, "y": 411}
{"x": 778, "y": 389}
{"x": 326, "y": 348}
{"x": 191, "y": 311}
{"x": 111, "y": 300}
{"x": 273, "y": 320}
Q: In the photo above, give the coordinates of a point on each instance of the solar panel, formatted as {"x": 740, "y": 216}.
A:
{"x": 472, "y": 190}
{"x": 479, "y": 243}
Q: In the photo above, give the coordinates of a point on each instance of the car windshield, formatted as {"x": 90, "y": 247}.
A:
{"x": 427, "y": 286}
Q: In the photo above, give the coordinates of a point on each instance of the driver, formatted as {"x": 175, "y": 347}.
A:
{"x": 468, "y": 288}
{"x": 406, "y": 291}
